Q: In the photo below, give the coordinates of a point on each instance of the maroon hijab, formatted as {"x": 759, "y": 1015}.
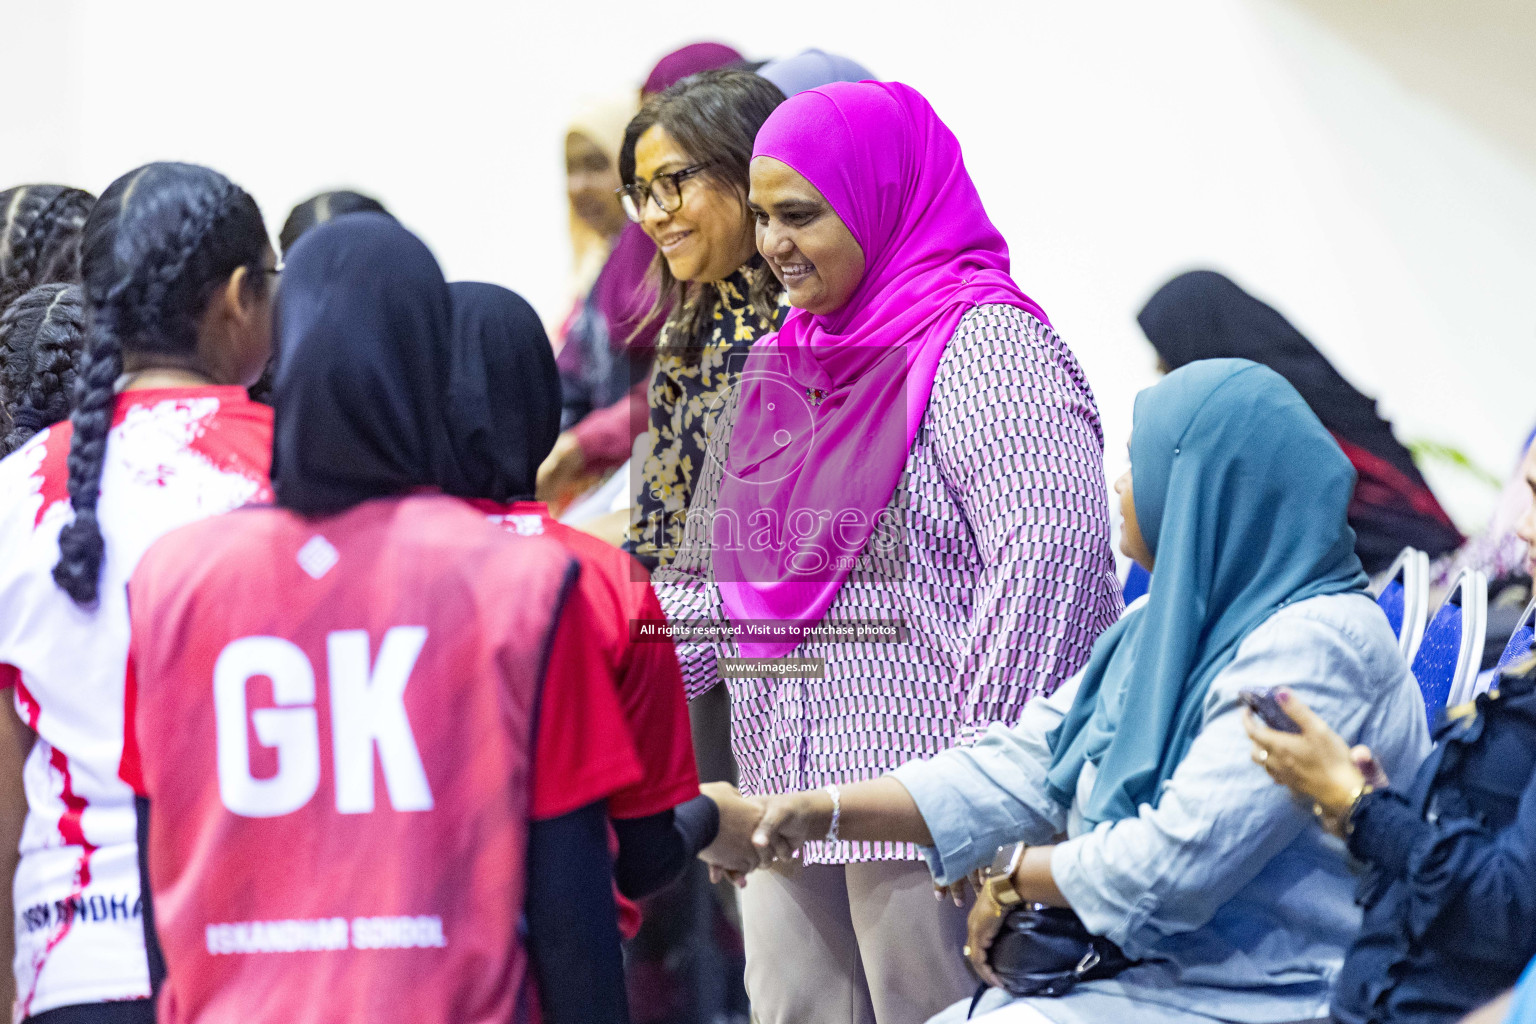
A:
{"x": 690, "y": 60}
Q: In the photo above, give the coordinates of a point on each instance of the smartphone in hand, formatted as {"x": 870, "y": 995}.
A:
{"x": 1264, "y": 704}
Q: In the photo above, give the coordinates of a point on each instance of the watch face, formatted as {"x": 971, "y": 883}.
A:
{"x": 1002, "y": 859}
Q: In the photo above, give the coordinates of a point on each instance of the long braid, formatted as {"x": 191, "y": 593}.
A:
{"x": 81, "y": 547}
{"x": 160, "y": 242}
{"x": 41, "y": 339}
{"x": 57, "y": 255}
{"x": 15, "y": 214}
{"x": 27, "y": 247}
{"x": 57, "y": 354}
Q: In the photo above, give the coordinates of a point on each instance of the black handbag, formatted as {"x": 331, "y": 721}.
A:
{"x": 1046, "y": 951}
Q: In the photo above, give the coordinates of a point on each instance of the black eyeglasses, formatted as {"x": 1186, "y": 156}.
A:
{"x": 665, "y": 189}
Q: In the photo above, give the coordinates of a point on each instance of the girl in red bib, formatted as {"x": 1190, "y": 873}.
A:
{"x": 335, "y": 705}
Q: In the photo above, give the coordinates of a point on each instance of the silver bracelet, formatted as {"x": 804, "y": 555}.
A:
{"x": 837, "y": 812}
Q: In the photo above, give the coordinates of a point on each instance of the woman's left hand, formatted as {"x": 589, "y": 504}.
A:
{"x": 732, "y": 854}
{"x": 1314, "y": 763}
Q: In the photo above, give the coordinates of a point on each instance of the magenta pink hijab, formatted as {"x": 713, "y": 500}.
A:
{"x": 830, "y": 405}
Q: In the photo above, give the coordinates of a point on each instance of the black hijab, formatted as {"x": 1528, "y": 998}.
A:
{"x": 363, "y": 333}
{"x": 1204, "y": 315}
{"x": 503, "y": 392}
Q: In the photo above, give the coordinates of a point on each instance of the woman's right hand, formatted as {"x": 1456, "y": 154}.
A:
{"x": 789, "y": 821}
{"x": 1314, "y": 763}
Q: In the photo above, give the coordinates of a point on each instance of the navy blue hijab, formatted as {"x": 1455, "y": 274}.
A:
{"x": 1204, "y": 315}
{"x": 504, "y": 391}
{"x": 363, "y": 325}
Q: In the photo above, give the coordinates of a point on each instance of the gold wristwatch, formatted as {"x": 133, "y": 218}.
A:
{"x": 999, "y": 878}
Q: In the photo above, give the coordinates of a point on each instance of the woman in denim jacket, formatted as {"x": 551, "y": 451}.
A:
{"x": 1132, "y": 784}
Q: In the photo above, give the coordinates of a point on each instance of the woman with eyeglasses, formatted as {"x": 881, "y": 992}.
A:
{"x": 684, "y": 167}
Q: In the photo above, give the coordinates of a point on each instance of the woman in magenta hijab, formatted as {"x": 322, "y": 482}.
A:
{"x": 915, "y": 446}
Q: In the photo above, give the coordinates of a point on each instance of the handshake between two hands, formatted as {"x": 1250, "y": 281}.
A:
{"x": 757, "y": 831}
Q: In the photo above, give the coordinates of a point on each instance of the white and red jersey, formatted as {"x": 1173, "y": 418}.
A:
{"x": 333, "y": 721}
{"x": 173, "y": 456}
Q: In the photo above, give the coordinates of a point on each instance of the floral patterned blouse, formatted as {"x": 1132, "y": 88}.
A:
{"x": 686, "y": 397}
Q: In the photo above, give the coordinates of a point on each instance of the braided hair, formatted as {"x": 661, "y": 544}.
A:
{"x": 41, "y": 337}
{"x": 40, "y": 229}
{"x": 160, "y": 243}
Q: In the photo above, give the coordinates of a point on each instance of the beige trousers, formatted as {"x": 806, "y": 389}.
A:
{"x": 851, "y": 944}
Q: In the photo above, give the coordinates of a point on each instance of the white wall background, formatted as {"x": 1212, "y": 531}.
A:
{"x": 1115, "y": 143}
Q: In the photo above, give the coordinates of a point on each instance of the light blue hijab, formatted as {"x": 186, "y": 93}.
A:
{"x": 1241, "y": 497}
{"x": 811, "y": 69}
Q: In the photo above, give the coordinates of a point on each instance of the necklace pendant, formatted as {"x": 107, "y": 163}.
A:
{"x": 815, "y": 395}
